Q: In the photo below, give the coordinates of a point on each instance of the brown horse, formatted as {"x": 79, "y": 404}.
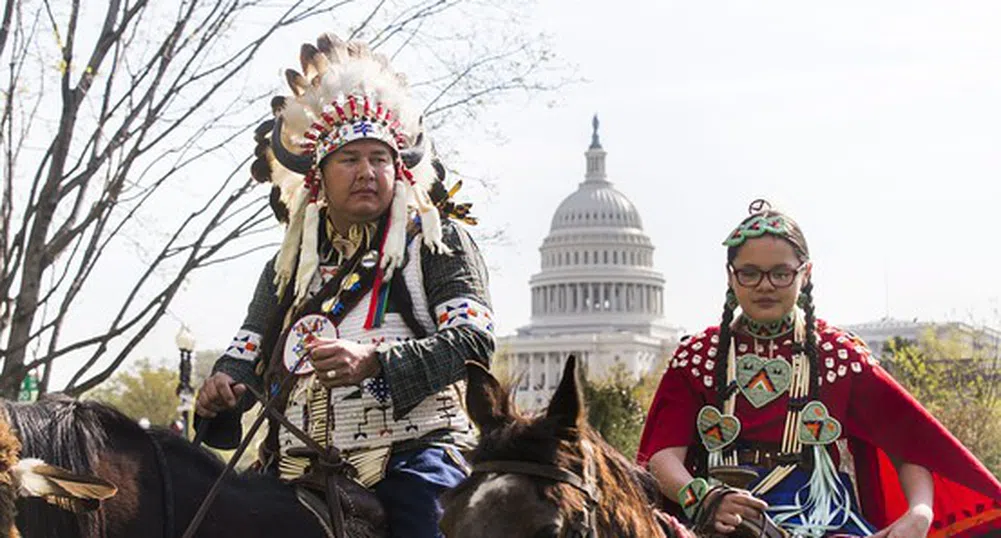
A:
{"x": 549, "y": 476}
{"x": 161, "y": 480}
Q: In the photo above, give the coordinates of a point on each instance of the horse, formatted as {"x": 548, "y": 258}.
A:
{"x": 34, "y": 478}
{"x": 550, "y": 475}
{"x": 161, "y": 479}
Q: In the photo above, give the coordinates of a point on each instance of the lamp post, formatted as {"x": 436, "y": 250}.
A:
{"x": 185, "y": 344}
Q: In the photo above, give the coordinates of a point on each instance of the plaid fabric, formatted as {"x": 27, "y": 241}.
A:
{"x": 416, "y": 369}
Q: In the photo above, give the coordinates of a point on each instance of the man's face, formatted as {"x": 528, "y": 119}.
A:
{"x": 358, "y": 181}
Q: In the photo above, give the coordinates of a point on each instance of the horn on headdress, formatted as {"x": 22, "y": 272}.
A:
{"x": 299, "y": 164}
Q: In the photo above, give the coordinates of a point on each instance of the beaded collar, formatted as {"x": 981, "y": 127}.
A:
{"x": 767, "y": 330}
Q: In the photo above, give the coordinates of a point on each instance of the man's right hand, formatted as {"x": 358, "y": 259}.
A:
{"x": 217, "y": 394}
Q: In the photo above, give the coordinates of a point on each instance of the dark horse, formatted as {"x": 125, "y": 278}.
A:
{"x": 550, "y": 476}
{"x": 161, "y": 480}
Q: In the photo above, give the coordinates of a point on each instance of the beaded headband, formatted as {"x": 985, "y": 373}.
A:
{"x": 758, "y": 225}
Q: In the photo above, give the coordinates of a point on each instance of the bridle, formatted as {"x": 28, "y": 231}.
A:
{"x": 585, "y": 524}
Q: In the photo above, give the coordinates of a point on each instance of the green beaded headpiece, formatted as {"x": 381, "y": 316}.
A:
{"x": 758, "y": 225}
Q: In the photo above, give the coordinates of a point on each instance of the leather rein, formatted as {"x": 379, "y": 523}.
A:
{"x": 328, "y": 460}
{"x": 585, "y": 524}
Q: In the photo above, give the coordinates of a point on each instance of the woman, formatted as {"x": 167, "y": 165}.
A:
{"x": 783, "y": 404}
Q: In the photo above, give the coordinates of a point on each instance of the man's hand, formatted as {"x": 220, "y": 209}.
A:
{"x": 340, "y": 362}
{"x": 217, "y": 394}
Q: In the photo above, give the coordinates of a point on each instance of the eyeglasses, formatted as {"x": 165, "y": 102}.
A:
{"x": 780, "y": 277}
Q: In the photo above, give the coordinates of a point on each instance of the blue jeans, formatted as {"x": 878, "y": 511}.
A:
{"x": 409, "y": 492}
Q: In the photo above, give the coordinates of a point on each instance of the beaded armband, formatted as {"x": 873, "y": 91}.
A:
{"x": 690, "y": 496}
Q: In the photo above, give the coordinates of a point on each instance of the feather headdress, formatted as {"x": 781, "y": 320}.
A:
{"x": 344, "y": 93}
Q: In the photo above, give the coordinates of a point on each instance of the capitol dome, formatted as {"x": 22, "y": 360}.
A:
{"x": 596, "y": 296}
{"x": 597, "y": 263}
{"x": 596, "y": 204}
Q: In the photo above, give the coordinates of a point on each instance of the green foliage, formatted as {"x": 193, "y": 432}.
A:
{"x": 147, "y": 390}
{"x": 617, "y": 407}
{"x": 202, "y": 364}
{"x": 958, "y": 382}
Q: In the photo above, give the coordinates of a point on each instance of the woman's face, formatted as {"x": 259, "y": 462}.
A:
{"x": 767, "y": 277}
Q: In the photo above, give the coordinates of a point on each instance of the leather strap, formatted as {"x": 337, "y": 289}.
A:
{"x": 538, "y": 470}
{"x": 334, "y": 505}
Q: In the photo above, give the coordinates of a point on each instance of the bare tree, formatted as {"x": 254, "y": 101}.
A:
{"x": 112, "y": 113}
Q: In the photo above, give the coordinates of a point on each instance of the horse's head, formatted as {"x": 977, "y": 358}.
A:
{"x": 544, "y": 476}
{"x": 31, "y": 477}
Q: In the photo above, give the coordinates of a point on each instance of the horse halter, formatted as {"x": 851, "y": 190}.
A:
{"x": 584, "y": 526}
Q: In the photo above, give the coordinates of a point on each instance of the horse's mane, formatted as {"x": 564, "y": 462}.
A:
{"x": 67, "y": 433}
{"x": 73, "y": 433}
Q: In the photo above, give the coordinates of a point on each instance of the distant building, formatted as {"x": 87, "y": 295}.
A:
{"x": 878, "y": 333}
{"x": 596, "y": 296}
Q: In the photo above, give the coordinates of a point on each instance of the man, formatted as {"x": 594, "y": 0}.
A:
{"x": 362, "y": 323}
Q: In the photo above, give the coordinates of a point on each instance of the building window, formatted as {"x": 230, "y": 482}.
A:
{"x": 523, "y": 366}
{"x": 576, "y": 259}
{"x": 605, "y": 257}
{"x": 615, "y": 257}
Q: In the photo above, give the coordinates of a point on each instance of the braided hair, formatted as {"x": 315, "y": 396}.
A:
{"x": 796, "y": 239}
{"x": 723, "y": 391}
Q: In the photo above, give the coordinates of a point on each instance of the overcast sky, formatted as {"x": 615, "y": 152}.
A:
{"x": 877, "y": 125}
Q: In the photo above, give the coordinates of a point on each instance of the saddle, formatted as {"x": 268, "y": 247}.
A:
{"x": 344, "y": 507}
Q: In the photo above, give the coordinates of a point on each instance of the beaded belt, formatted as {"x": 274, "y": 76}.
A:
{"x": 765, "y": 456}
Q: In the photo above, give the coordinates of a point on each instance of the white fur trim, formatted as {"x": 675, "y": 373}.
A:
{"x": 290, "y": 245}
{"x": 309, "y": 257}
{"x": 430, "y": 222}
{"x": 396, "y": 236}
{"x": 431, "y": 230}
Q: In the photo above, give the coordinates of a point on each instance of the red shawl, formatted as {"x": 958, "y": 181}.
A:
{"x": 877, "y": 415}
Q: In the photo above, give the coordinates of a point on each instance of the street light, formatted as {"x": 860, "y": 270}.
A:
{"x": 185, "y": 344}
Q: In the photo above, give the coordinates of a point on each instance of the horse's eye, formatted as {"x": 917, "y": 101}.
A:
{"x": 549, "y": 531}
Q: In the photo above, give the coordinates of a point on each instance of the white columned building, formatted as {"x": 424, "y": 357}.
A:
{"x": 597, "y": 294}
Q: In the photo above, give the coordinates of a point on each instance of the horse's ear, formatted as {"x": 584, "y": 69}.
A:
{"x": 67, "y": 490}
{"x": 567, "y": 404}
{"x": 488, "y": 403}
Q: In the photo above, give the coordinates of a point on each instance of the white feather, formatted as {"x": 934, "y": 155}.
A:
{"x": 296, "y": 121}
{"x": 31, "y": 484}
{"x": 287, "y": 181}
